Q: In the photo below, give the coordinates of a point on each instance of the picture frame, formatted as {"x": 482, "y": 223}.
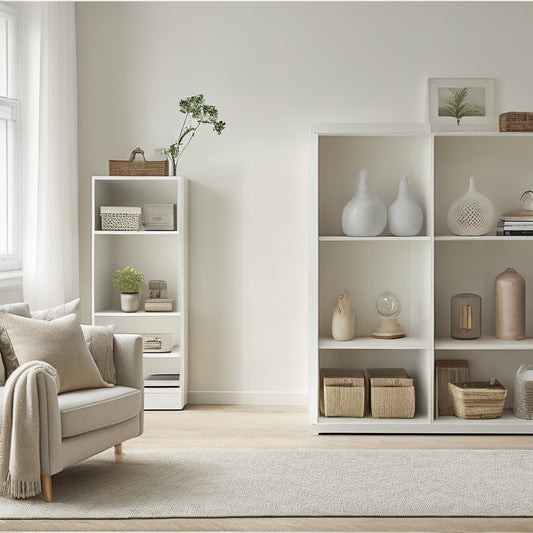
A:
{"x": 461, "y": 104}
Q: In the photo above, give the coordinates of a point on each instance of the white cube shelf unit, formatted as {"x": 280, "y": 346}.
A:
{"x": 424, "y": 271}
{"x": 160, "y": 255}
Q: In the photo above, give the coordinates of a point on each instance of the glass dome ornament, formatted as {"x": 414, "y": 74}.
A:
{"x": 471, "y": 214}
{"x": 388, "y": 309}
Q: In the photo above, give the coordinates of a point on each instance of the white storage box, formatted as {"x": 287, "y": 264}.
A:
{"x": 120, "y": 218}
{"x": 160, "y": 217}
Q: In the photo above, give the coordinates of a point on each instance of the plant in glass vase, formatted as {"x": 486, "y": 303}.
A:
{"x": 128, "y": 282}
{"x": 196, "y": 112}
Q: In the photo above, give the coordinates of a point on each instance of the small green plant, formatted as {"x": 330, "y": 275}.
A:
{"x": 128, "y": 280}
{"x": 457, "y": 106}
{"x": 196, "y": 112}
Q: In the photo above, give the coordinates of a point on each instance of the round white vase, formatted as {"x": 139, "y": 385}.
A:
{"x": 405, "y": 215}
{"x": 130, "y": 302}
{"x": 365, "y": 215}
{"x": 471, "y": 214}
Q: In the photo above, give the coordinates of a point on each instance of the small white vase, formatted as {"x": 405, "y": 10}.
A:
{"x": 471, "y": 214}
{"x": 343, "y": 322}
{"x": 405, "y": 215}
{"x": 365, "y": 215}
{"x": 130, "y": 302}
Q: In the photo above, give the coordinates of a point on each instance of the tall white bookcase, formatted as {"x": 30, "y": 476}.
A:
{"x": 424, "y": 271}
{"x": 160, "y": 255}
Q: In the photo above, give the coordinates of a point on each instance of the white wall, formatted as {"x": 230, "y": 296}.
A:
{"x": 271, "y": 69}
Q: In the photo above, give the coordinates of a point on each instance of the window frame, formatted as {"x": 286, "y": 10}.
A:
{"x": 10, "y": 110}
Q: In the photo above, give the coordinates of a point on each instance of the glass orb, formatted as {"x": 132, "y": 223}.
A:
{"x": 388, "y": 305}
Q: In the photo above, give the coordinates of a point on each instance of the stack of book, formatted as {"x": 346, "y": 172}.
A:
{"x": 516, "y": 222}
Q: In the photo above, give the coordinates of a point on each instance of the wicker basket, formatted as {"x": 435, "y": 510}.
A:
{"x": 343, "y": 392}
{"x": 137, "y": 168}
{"x": 477, "y": 399}
{"x": 392, "y": 393}
{"x": 516, "y": 121}
{"x": 120, "y": 218}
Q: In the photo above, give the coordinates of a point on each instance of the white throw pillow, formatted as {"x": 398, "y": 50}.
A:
{"x": 58, "y": 342}
{"x": 100, "y": 341}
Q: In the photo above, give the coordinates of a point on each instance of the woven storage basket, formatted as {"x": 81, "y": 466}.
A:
{"x": 120, "y": 218}
{"x": 137, "y": 168}
{"x": 392, "y": 393}
{"x": 343, "y": 392}
{"x": 477, "y": 399}
{"x": 516, "y": 121}
{"x": 446, "y": 371}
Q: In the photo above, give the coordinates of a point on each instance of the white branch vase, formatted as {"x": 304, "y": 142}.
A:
{"x": 405, "y": 215}
{"x": 365, "y": 215}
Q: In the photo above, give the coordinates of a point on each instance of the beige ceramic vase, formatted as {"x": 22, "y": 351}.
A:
{"x": 343, "y": 322}
{"x": 510, "y": 305}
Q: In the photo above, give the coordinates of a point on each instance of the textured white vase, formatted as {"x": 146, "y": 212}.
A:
{"x": 471, "y": 214}
{"x": 365, "y": 215}
{"x": 130, "y": 302}
{"x": 405, "y": 215}
{"x": 343, "y": 322}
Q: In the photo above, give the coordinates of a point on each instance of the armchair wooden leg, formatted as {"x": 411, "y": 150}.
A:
{"x": 46, "y": 486}
{"x": 118, "y": 453}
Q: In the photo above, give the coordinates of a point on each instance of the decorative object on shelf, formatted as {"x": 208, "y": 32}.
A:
{"x": 137, "y": 168}
{"x": 518, "y": 221}
{"x": 471, "y": 214}
{"x": 388, "y": 309}
{"x": 477, "y": 399}
{"x": 461, "y": 104}
{"x": 392, "y": 393}
{"x": 343, "y": 322}
{"x": 128, "y": 282}
{"x": 446, "y": 371}
{"x": 343, "y": 392}
{"x": 523, "y": 392}
{"x": 405, "y": 215}
{"x": 159, "y": 217}
{"x": 123, "y": 218}
{"x": 365, "y": 215}
{"x": 510, "y": 305}
{"x": 159, "y": 304}
{"x": 196, "y": 112}
{"x": 157, "y": 342}
{"x": 157, "y": 288}
{"x": 516, "y": 121}
{"x": 465, "y": 316}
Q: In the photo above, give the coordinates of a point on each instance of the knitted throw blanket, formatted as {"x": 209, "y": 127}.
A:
{"x": 20, "y": 460}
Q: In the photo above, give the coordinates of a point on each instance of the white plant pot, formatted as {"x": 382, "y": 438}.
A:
{"x": 130, "y": 302}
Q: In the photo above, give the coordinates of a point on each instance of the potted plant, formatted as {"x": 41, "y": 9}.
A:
{"x": 196, "y": 112}
{"x": 128, "y": 282}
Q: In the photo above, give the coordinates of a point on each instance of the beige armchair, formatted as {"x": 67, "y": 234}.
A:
{"x": 85, "y": 422}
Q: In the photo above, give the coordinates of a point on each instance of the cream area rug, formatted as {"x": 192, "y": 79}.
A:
{"x": 175, "y": 483}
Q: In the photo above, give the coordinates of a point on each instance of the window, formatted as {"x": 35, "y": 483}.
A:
{"x": 9, "y": 141}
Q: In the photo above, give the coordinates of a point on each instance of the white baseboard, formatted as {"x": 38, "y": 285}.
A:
{"x": 247, "y": 398}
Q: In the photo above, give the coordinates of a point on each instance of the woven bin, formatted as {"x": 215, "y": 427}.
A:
{"x": 516, "y": 121}
{"x": 392, "y": 393}
{"x": 120, "y": 218}
{"x": 477, "y": 399}
{"x": 343, "y": 392}
{"x": 137, "y": 168}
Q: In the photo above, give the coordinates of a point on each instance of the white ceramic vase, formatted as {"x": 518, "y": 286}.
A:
{"x": 405, "y": 215}
{"x": 130, "y": 302}
{"x": 343, "y": 322}
{"x": 471, "y": 214}
{"x": 365, "y": 215}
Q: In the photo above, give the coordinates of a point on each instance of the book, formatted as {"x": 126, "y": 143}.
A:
{"x": 159, "y": 304}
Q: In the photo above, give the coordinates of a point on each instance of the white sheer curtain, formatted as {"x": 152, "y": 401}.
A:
{"x": 49, "y": 154}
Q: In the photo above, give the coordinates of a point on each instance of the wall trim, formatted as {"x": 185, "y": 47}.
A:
{"x": 247, "y": 398}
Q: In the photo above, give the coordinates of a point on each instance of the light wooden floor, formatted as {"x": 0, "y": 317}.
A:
{"x": 280, "y": 427}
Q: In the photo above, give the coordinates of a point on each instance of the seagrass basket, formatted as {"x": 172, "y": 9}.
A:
{"x": 516, "y": 121}
{"x": 477, "y": 399}
{"x": 343, "y": 392}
